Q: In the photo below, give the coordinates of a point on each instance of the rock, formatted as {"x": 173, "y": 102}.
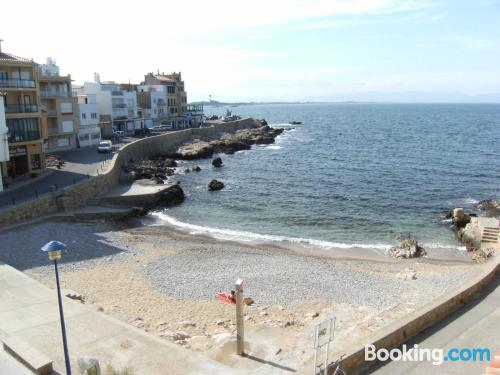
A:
{"x": 215, "y": 185}
{"x": 220, "y": 322}
{"x": 74, "y": 295}
{"x": 178, "y": 336}
{"x": 263, "y": 313}
{"x": 247, "y": 318}
{"x": 278, "y": 351}
{"x": 217, "y": 162}
{"x": 263, "y": 122}
{"x": 407, "y": 274}
{"x": 470, "y": 235}
{"x": 313, "y": 315}
{"x": 187, "y": 170}
{"x": 196, "y": 168}
{"x": 408, "y": 248}
{"x": 491, "y": 207}
{"x": 195, "y": 150}
{"x": 174, "y": 194}
{"x": 187, "y": 324}
{"x": 248, "y": 301}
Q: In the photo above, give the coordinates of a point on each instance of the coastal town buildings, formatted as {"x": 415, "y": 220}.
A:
{"x": 117, "y": 107}
{"x": 178, "y": 113}
{"x": 19, "y": 83}
{"x": 4, "y": 145}
{"x": 60, "y": 107}
{"x": 89, "y": 133}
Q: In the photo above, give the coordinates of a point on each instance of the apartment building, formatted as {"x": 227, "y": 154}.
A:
{"x": 4, "y": 144}
{"x": 19, "y": 83}
{"x": 152, "y": 101}
{"x": 179, "y": 115}
{"x": 60, "y": 107}
{"x": 89, "y": 133}
{"x": 115, "y": 104}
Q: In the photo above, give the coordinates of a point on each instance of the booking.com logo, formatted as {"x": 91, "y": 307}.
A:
{"x": 436, "y": 356}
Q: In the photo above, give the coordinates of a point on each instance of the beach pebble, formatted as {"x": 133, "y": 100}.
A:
{"x": 187, "y": 324}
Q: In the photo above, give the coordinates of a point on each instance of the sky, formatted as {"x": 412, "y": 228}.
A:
{"x": 272, "y": 50}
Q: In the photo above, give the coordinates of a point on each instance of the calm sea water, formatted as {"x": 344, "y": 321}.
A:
{"x": 350, "y": 175}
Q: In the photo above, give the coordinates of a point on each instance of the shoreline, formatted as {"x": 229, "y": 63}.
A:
{"x": 303, "y": 246}
{"x": 164, "y": 281}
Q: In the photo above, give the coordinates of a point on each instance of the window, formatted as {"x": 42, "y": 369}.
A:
{"x": 84, "y": 116}
{"x": 93, "y": 115}
{"x": 35, "y": 162}
{"x": 62, "y": 142}
{"x": 66, "y": 108}
{"x": 83, "y": 137}
{"x": 22, "y": 130}
{"x": 67, "y": 126}
{"x": 96, "y": 135}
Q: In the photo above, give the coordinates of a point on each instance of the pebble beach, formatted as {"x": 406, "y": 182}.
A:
{"x": 165, "y": 281}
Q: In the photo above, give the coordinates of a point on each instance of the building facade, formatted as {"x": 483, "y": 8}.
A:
{"x": 19, "y": 83}
{"x": 60, "y": 107}
{"x": 178, "y": 113}
{"x": 4, "y": 144}
{"x": 89, "y": 133}
{"x": 117, "y": 106}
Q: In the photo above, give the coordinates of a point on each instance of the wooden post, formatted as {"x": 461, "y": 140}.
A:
{"x": 240, "y": 332}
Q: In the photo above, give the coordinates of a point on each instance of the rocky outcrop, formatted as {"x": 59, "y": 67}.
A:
{"x": 215, "y": 185}
{"x": 196, "y": 168}
{"x": 217, "y": 162}
{"x": 490, "y": 207}
{"x": 408, "y": 248}
{"x": 157, "y": 169}
{"x": 228, "y": 144}
{"x": 172, "y": 195}
{"x": 197, "y": 149}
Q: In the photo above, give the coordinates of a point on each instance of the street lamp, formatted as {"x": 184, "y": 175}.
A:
{"x": 53, "y": 249}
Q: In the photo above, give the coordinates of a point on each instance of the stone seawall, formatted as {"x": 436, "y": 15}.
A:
{"x": 81, "y": 193}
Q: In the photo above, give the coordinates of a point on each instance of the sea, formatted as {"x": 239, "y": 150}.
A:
{"x": 351, "y": 176}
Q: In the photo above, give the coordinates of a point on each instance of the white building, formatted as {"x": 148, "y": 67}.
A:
{"x": 153, "y": 99}
{"x": 88, "y": 112}
{"x": 120, "y": 106}
{"x": 4, "y": 145}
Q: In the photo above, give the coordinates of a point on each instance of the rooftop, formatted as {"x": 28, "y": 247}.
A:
{"x": 9, "y": 57}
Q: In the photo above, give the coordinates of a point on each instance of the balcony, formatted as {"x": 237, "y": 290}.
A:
{"x": 21, "y": 108}
{"x": 119, "y": 105}
{"x": 54, "y": 94}
{"x": 18, "y": 83}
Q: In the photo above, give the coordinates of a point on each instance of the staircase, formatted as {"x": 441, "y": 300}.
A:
{"x": 490, "y": 235}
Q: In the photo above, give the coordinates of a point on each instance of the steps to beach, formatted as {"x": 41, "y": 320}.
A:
{"x": 490, "y": 235}
{"x": 27, "y": 355}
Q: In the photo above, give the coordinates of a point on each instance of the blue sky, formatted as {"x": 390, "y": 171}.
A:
{"x": 276, "y": 50}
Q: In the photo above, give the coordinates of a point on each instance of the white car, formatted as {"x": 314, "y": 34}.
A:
{"x": 105, "y": 146}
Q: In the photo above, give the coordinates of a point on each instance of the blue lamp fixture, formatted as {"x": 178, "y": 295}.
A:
{"x": 54, "y": 249}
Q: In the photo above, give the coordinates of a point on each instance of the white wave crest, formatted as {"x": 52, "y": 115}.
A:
{"x": 244, "y": 236}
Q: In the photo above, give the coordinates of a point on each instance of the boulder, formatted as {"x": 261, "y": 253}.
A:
{"x": 173, "y": 194}
{"x": 195, "y": 150}
{"x": 490, "y": 207}
{"x": 408, "y": 248}
{"x": 248, "y": 301}
{"x": 217, "y": 162}
{"x": 196, "y": 168}
{"x": 215, "y": 185}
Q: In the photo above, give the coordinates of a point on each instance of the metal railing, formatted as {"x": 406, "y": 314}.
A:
{"x": 53, "y": 94}
{"x": 21, "y": 83}
{"x": 21, "y": 108}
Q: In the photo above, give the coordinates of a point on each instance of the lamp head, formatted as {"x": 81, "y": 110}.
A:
{"x": 53, "y": 249}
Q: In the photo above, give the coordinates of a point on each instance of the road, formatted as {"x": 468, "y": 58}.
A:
{"x": 81, "y": 163}
{"x": 474, "y": 326}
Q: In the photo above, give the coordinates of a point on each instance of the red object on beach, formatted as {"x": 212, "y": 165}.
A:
{"x": 226, "y": 298}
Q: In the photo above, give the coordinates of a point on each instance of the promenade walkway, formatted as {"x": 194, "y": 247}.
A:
{"x": 475, "y": 326}
{"x": 28, "y": 310}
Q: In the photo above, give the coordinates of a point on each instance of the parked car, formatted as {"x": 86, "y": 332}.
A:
{"x": 104, "y": 146}
{"x": 142, "y": 131}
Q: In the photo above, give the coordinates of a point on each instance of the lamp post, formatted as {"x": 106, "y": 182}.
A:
{"x": 53, "y": 249}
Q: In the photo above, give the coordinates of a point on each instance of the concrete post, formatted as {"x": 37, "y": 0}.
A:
{"x": 240, "y": 332}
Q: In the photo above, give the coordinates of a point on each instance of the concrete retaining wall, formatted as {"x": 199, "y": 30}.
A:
{"x": 81, "y": 193}
{"x": 411, "y": 325}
